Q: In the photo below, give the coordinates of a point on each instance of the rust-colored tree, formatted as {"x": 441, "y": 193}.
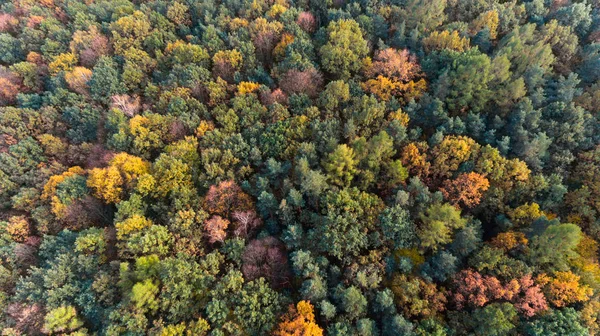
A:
{"x": 215, "y": 229}
{"x": 397, "y": 64}
{"x": 10, "y": 86}
{"x": 466, "y": 190}
{"x": 225, "y": 198}
{"x": 308, "y": 81}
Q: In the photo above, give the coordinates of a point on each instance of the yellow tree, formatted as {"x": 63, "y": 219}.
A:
{"x": 78, "y": 78}
{"x": 299, "y": 321}
{"x": 106, "y": 184}
{"x": 487, "y": 20}
{"x": 565, "y": 289}
{"x": 445, "y": 40}
{"x": 451, "y": 153}
{"x": 62, "y": 62}
{"x": 123, "y": 171}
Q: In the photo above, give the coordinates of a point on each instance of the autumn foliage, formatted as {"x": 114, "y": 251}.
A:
{"x": 226, "y": 198}
{"x": 299, "y": 321}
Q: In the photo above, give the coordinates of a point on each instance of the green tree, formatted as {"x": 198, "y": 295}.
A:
{"x": 557, "y": 322}
{"x": 345, "y": 48}
{"x": 438, "y": 223}
{"x": 555, "y": 247}
{"x": 496, "y": 319}
{"x": 105, "y": 81}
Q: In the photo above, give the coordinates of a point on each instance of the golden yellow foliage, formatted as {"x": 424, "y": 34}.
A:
{"x": 49, "y": 192}
{"x": 382, "y": 87}
{"x": 276, "y": 10}
{"x": 299, "y": 321}
{"x": 590, "y": 315}
{"x": 412, "y": 89}
{"x": 63, "y": 62}
{"x": 286, "y": 40}
{"x": 446, "y": 40}
{"x": 131, "y": 167}
{"x": 488, "y": 20}
{"x": 18, "y": 228}
{"x": 401, "y": 116}
{"x": 204, "y": 127}
{"x": 132, "y": 224}
{"x": 54, "y": 181}
{"x": 564, "y": 289}
{"x": 247, "y": 87}
{"x": 237, "y": 23}
{"x": 232, "y": 57}
{"x": 509, "y": 240}
{"x": 106, "y": 184}
{"x": 78, "y": 79}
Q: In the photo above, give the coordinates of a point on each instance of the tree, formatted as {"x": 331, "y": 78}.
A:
{"x": 105, "y": 81}
{"x": 306, "y": 21}
{"x": 78, "y": 79}
{"x": 19, "y": 228}
{"x": 226, "y": 198}
{"x": 340, "y": 165}
{"x": 422, "y": 15}
{"x": 308, "y": 82}
{"x": 391, "y": 63}
{"x": 345, "y": 48}
{"x": 532, "y": 300}
{"x": 555, "y": 247}
{"x": 130, "y": 31}
{"x": 348, "y": 217}
{"x": 215, "y": 229}
{"x": 226, "y": 63}
{"x": 245, "y": 222}
{"x": 438, "y": 223}
{"x": 495, "y": 320}
{"x": 558, "y": 322}
{"x": 144, "y": 296}
{"x": 451, "y": 153}
{"x": 299, "y": 320}
{"x": 266, "y": 258}
{"x": 446, "y": 40}
{"x": 486, "y": 20}
{"x": 10, "y": 85}
{"x": 106, "y": 183}
{"x": 564, "y": 289}
{"x": 63, "y": 62}
{"x": 458, "y": 94}
{"x": 353, "y": 302}
{"x": 416, "y": 297}
{"x": 63, "y": 319}
{"x": 89, "y": 45}
{"x": 397, "y": 227}
{"x": 466, "y": 189}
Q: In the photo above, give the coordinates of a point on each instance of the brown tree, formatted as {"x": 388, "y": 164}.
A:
{"x": 266, "y": 257}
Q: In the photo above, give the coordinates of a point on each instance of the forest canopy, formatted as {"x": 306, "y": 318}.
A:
{"x": 300, "y": 167}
